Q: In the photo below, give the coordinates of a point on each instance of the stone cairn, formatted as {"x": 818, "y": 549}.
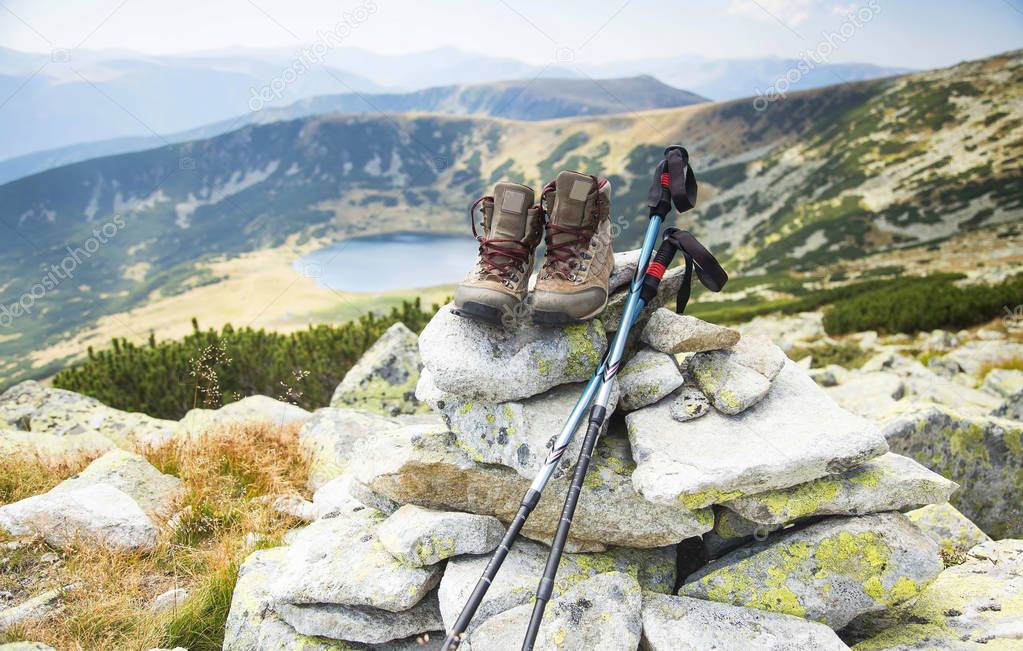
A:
{"x": 730, "y": 502}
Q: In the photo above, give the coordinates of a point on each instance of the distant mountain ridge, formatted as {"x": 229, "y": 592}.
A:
{"x": 537, "y": 99}
{"x": 825, "y": 175}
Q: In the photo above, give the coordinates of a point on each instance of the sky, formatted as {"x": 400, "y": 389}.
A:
{"x": 908, "y": 33}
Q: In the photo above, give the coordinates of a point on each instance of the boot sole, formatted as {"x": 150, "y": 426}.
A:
{"x": 547, "y": 318}
{"x": 480, "y": 312}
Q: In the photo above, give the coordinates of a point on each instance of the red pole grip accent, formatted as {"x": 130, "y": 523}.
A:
{"x": 665, "y": 180}
{"x": 656, "y": 269}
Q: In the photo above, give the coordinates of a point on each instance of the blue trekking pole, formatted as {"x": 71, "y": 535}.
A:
{"x": 674, "y": 182}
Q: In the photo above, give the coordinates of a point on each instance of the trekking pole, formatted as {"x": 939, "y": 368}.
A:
{"x": 642, "y": 291}
{"x": 532, "y": 496}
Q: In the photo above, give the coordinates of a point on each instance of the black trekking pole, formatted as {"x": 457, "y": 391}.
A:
{"x": 673, "y": 174}
{"x": 713, "y": 277}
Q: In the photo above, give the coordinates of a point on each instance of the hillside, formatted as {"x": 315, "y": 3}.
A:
{"x": 536, "y": 99}
{"x": 823, "y": 176}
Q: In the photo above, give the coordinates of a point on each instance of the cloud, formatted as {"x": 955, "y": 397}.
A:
{"x": 790, "y": 12}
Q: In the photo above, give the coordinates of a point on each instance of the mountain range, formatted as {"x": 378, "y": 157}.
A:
{"x": 70, "y": 97}
{"x": 537, "y": 99}
{"x": 822, "y": 176}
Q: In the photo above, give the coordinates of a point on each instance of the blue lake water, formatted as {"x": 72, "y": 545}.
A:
{"x": 392, "y": 261}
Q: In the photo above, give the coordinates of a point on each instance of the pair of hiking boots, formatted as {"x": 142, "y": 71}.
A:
{"x": 573, "y": 217}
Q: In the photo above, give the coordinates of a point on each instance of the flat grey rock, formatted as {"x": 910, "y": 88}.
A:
{"x": 516, "y": 583}
{"x": 418, "y": 537}
{"x": 674, "y": 333}
{"x": 384, "y": 379}
{"x": 340, "y": 560}
{"x": 250, "y": 409}
{"x": 646, "y": 378}
{"x": 516, "y": 434}
{"x": 672, "y": 623}
{"x": 759, "y": 353}
{"x": 96, "y": 514}
{"x": 426, "y": 465}
{"x": 796, "y": 434}
{"x": 361, "y": 624}
{"x": 492, "y": 364}
{"x": 829, "y": 572}
{"x": 732, "y": 388}
{"x": 602, "y": 612}
{"x": 887, "y": 483}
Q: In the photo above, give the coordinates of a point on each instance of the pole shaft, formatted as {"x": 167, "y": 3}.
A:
{"x": 633, "y": 306}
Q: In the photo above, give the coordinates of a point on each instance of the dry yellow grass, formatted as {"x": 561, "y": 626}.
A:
{"x": 228, "y": 475}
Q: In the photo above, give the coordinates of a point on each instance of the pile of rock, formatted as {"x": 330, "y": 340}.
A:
{"x": 730, "y": 502}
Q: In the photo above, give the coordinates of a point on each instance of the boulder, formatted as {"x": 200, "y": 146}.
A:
{"x": 25, "y": 646}
{"x": 154, "y": 492}
{"x": 952, "y": 530}
{"x": 362, "y": 624}
{"x": 51, "y": 448}
{"x": 796, "y": 434}
{"x": 96, "y": 514}
{"x": 829, "y": 572}
{"x": 672, "y": 623}
{"x": 516, "y": 583}
{"x": 516, "y": 434}
{"x": 757, "y": 352}
{"x": 1003, "y": 382}
{"x": 425, "y": 465}
{"x": 331, "y": 435}
{"x": 982, "y": 454}
{"x": 887, "y": 483}
{"x": 170, "y": 600}
{"x": 251, "y": 409}
{"x": 492, "y": 364}
{"x": 974, "y": 356}
{"x": 419, "y": 537}
{"x": 732, "y": 388}
{"x": 646, "y": 378}
{"x": 32, "y": 407}
{"x": 337, "y": 497}
{"x": 873, "y": 394}
{"x": 674, "y": 333}
{"x": 786, "y": 331}
{"x": 975, "y": 605}
{"x": 1012, "y": 408}
{"x": 384, "y": 379}
{"x": 602, "y": 612}
{"x": 689, "y": 403}
{"x": 341, "y": 560}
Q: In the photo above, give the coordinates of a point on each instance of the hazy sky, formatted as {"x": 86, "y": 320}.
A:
{"x": 915, "y": 33}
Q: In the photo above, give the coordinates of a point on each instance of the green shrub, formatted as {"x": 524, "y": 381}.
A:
{"x": 208, "y": 367}
{"x": 922, "y": 303}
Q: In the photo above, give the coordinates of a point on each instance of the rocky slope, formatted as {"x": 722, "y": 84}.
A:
{"x": 731, "y": 501}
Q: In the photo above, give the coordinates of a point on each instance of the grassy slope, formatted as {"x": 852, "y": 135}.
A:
{"x": 823, "y": 176}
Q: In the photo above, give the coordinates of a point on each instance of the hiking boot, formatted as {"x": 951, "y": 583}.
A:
{"x": 572, "y": 284}
{"x": 512, "y": 226}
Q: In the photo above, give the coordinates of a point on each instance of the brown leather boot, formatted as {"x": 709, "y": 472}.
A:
{"x": 512, "y": 226}
{"x": 572, "y": 284}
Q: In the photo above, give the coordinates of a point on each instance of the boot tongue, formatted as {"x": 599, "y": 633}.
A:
{"x": 570, "y": 200}
{"x": 511, "y": 203}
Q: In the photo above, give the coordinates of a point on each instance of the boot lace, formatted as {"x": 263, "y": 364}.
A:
{"x": 515, "y": 254}
{"x": 563, "y": 253}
